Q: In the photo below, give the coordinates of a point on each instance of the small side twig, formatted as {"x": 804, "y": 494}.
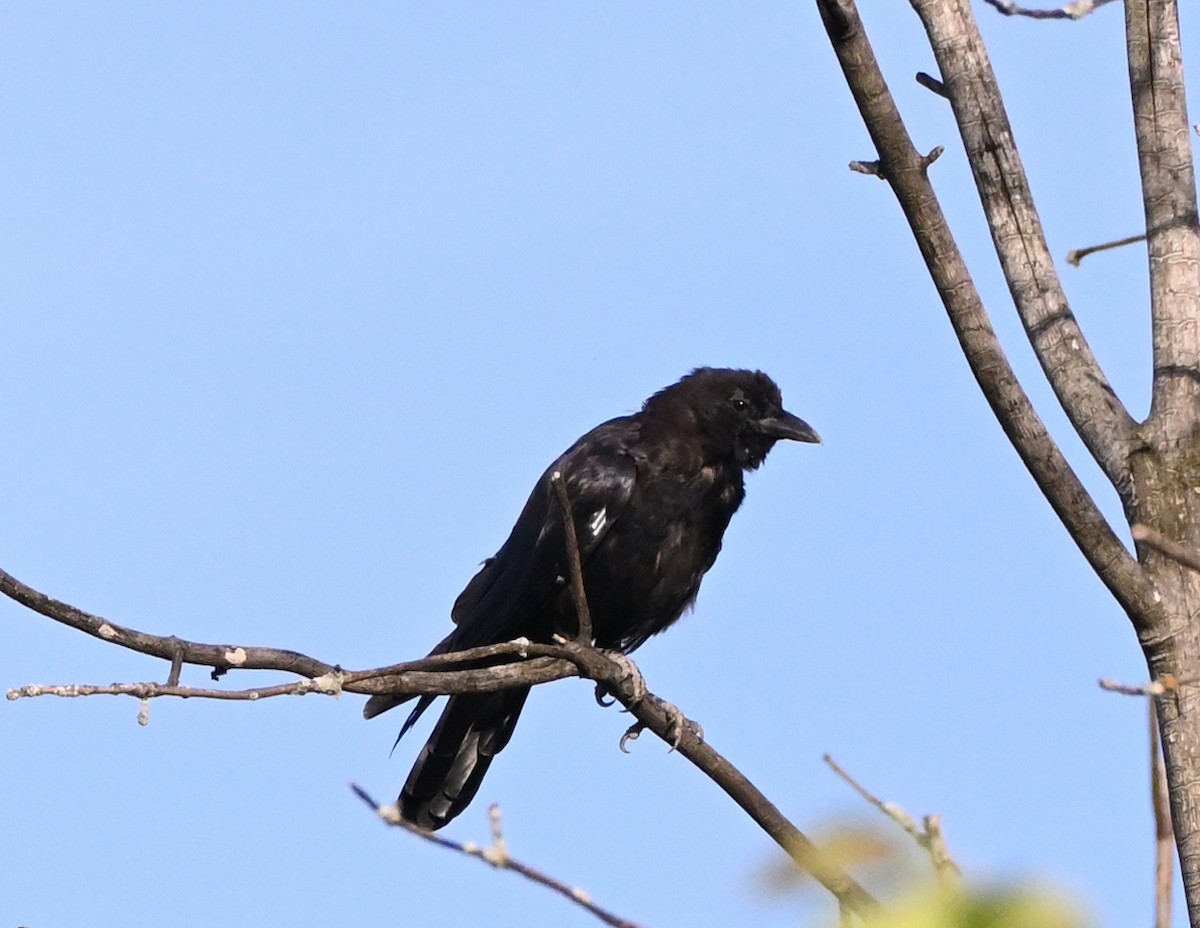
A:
{"x": 872, "y": 168}
{"x": 932, "y": 84}
{"x": 928, "y": 835}
{"x": 1076, "y": 10}
{"x": 176, "y": 662}
{"x": 1075, "y": 255}
{"x": 574, "y": 562}
{"x": 1155, "y": 539}
{"x": 1164, "y": 832}
{"x": 1168, "y": 683}
{"x": 496, "y": 855}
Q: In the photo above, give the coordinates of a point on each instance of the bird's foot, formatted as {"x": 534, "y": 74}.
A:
{"x": 678, "y": 723}
{"x": 630, "y": 675}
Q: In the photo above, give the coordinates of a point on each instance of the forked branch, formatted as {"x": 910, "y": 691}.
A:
{"x": 906, "y": 174}
{"x": 1085, "y": 394}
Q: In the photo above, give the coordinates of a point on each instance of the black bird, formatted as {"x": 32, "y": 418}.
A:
{"x": 651, "y": 495}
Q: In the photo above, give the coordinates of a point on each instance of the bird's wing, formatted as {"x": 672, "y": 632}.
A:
{"x": 510, "y": 594}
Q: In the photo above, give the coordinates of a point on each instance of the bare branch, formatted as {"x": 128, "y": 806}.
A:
{"x": 1169, "y": 201}
{"x": 153, "y": 690}
{"x": 928, "y": 836}
{"x": 418, "y": 683}
{"x": 1076, "y": 10}
{"x": 653, "y": 714}
{"x": 943, "y": 863}
{"x": 574, "y": 564}
{"x": 1075, "y": 255}
{"x": 871, "y": 168}
{"x": 1169, "y": 683}
{"x": 529, "y": 663}
{"x": 1085, "y": 394}
{"x": 932, "y": 84}
{"x": 1164, "y": 833}
{"x": 621, "y": 676}
{"x": 495, "y": 855}
{"x": 903, "y": 169}
{"x": 1155, "y": 539}
{"x": 436, "y": 675}
{"x": 222, "y": 657}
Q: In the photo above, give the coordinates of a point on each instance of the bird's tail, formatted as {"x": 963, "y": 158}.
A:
{"x": 471, "y": 731}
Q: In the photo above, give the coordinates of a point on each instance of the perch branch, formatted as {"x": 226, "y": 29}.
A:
{"x": 495, "y": 855}
{"x": 624, "y": 681}
{"x": 415, "y": 683}
{"x": 432, "y": 675}
{"x": 903, "y": 170}
{"x": 437, "y": 675}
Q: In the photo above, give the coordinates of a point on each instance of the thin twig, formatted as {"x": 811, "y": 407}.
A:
{"x": 574, "y": 562}
{"x": 1167, "y": 683}
{"x": 1076, "y": 10}
{"x": 496, "y": 855}
{"x": 932, "y": 84}
{"x": 1164, "y": 833}
{"x": 928, "y": 835}
{"x": 1155, "y": 539}
{"x": 1075, "y": 255}
{"x": 176, "y": 663}
{"x": 402, "y": 678}
{"x": 432, "y": 683}
{"x": 222, "y": 657}
{"x": 943, "y": 864}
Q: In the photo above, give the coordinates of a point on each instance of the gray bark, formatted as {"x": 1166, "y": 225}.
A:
{"x": 1153, "y": 465}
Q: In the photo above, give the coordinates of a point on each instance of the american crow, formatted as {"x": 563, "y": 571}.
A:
{"x": 651, "y": 495}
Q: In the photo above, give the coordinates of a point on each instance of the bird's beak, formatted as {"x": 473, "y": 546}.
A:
{"x": 785, "y": 425}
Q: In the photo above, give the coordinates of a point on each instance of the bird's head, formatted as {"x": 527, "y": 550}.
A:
{"x": 738, "y": 413}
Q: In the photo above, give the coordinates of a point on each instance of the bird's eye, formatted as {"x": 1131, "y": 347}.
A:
{"x": 739, "y": 403}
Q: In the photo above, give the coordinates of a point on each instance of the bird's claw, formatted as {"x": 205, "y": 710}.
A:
{"x": 677, "y": 723}
{"x": 602, "y": 698}
{"x": 631, "y": 734}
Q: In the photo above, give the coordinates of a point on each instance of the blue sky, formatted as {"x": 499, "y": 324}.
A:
{"x": 300, "y": 299}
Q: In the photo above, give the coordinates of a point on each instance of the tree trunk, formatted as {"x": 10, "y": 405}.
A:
{"x": 1154, "y": 466}
{"x": 1167, "y": 475}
